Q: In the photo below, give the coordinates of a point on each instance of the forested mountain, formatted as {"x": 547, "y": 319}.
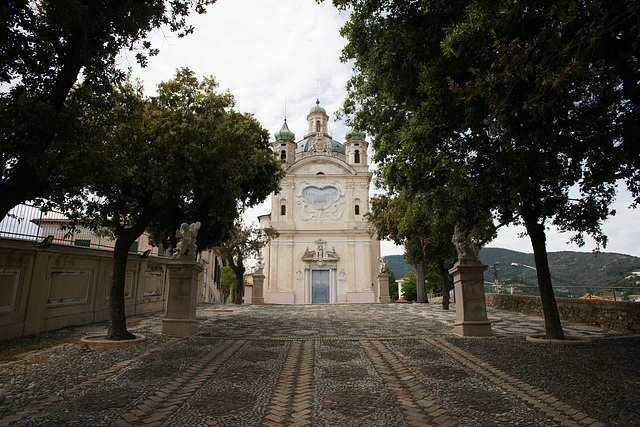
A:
{"x": 567, "y": 268}
{"x": 398, "y": 265}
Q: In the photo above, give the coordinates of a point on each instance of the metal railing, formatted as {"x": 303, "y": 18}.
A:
{"x": 18, "y": 224}
{"x": 27, "y": 222}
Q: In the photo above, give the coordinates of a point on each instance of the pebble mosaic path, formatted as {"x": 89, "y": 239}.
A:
{"x": 334, "y": 365}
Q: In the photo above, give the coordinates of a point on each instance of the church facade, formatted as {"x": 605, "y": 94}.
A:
{"x": 326, "y": 251}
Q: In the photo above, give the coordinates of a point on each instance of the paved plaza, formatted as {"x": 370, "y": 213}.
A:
{"x": 321, "y": 365}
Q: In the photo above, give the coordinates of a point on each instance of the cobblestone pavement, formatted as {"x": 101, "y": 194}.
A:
{"x": 321, "y": 365}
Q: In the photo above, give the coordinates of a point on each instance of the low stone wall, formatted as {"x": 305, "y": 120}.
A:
{"x": 45, "y": 289}
{"x": 620, "y": 316}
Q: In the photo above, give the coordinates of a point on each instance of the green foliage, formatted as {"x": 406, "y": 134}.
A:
{"x": 243, "y": 243}
{"x": 413, "y": 221}
{"x": 409, "y": 291}
{"x": 432, "y": 280}
{"x": 227, "y": 281}
{"x": 507, "y": 106}
{"x": 154, "y": 163}
{"x": 45, "y": 47}
{"x": 393, "y": 286}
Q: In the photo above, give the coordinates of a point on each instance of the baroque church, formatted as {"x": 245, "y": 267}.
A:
{"x": 325, "y": 252}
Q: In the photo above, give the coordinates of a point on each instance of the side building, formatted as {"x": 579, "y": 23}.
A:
{"x": 326, "y": 251}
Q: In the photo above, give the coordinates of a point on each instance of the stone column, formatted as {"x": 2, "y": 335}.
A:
{"x": 383, "y": 287}
{"x": 258, "y": 289}
{"x": 180, "y": 317}
{"x": 471, "y": 308}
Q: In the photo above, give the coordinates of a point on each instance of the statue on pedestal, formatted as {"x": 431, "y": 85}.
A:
{"x": 186, "y": 248}
{"x": 259, "y": 267}
{"x": 466, "y": 246}
{"x": 382, "y": 265}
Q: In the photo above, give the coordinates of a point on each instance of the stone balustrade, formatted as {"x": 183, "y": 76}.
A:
{"x": 616, "y": 315}
{"x": 46, "y": 289}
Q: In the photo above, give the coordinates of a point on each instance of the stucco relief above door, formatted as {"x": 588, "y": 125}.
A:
{"x": 320, "y": 201}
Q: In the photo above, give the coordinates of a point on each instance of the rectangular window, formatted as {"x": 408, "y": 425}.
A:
{"x": 82, "y": 242}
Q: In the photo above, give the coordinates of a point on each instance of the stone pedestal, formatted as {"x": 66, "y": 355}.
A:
{"x": 258, "y": 289}
{"x": 383, "y": 287}
{"x": 180, "y": 317}
{"x": 248, "y": 293}
{"x": 471, "y": 308}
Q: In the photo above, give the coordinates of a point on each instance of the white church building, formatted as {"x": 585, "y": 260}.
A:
{"x": 326, "y": 251}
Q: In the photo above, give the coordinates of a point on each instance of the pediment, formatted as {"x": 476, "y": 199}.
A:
{"x": 321, "y": 164}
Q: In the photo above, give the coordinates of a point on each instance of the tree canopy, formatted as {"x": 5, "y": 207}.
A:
{"x": 528, "y": 110}
{"x": 46, "y": 46}
{"x": 154, "y": 163}
{"x": 243, "y": 242}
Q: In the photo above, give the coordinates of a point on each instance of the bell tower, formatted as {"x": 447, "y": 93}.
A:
{"x": 285, "y": 146}
{"x": 355, "y": 148}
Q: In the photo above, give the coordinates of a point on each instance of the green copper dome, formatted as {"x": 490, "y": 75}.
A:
{"x": 318, "y": 109}
{"x": 356, "y": 135}
{"x": 284, "y": 134}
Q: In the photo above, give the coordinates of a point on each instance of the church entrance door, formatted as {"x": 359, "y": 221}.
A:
{"x": 320, "y": 286}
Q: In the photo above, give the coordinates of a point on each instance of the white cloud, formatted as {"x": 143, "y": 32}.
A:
{"x": 264, "y": 51}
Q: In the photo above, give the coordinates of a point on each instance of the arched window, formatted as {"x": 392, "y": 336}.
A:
{"x": 356, "y": 156}
{"x": 318, "y": 126}
{"x": 283, "y": 155}
{"x": 357, "y": 210}
{"x": 283, "y": 210}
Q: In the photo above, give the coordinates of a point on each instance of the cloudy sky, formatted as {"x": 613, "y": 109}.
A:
{"x": 279, "y": 55}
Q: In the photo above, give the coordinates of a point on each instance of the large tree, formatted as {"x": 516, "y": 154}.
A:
{"x": 391, "y": 220}
{"x": 243, "y": 243}
{"x": 46, "y": 46}
{"x": 536, "y": 101}
{"x": 423, "y": 225}
{"x": 153, "y": 163}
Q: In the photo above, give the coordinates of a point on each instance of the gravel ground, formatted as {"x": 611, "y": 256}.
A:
{"x": 351, "y": 365}
{"x": 602, "y": 379}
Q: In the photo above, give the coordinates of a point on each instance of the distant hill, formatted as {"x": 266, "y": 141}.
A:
{"x": 567, "y": 268}
{"x": 398, "y": 265}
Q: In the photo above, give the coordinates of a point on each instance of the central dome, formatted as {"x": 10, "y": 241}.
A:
{"x": 307, "y": 145}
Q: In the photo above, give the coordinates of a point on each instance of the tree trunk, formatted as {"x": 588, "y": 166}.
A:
{"x": 444, "y": 274}
{"x": 238, "y": 290}
{"x": 118, "y": 320}
{"x": 124, "y": 240}
{"x": 421, "y": 289}
{"x": 553, "y": 327}
{"x": 238, "y": 269}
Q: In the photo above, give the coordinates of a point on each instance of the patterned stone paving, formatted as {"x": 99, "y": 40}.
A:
{"x": 375, "y": 365}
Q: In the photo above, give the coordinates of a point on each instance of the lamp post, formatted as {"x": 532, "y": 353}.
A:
{"x": 495, "y": 276}
{"x": 515, "y": 264}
